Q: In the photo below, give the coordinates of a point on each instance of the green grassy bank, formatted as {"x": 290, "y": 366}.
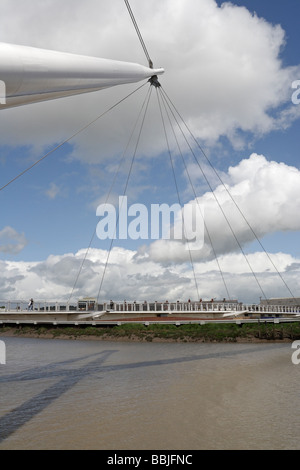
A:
{"x": 160, "y": 332}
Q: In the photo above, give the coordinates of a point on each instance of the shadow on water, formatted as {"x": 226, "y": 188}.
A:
{"x": 17, "y": 417}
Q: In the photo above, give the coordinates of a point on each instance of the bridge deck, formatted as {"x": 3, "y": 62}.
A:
{"x": 114, "y": 313}
{"x": 146, "y": 322}
{"x": 20, "y": 306}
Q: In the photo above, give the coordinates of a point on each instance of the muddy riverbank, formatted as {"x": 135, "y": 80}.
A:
{"x": 162, "y": 333}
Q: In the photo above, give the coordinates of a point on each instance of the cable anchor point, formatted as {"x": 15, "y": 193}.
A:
{"x": 154, "y": 81}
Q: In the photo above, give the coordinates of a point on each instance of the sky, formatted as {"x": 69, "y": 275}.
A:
{"x": 229, "y": 72}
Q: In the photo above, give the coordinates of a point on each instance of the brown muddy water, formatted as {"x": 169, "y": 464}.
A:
{"x": 75, "y": 394}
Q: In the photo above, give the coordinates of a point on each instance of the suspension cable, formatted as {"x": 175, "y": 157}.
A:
{"x": 196, "y": 198}
{"x": 145, "y": 104}
{"x": 70, "y": 138}
{"x": 233, "y": 200}
{"x": 177, "y": 190}
{"x": 218, "y": 202}
{"x": 139, "y": 34}
{"x": 106, "y": 199}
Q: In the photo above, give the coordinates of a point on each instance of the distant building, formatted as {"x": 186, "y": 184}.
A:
{"x": 88, "y": 303}
{"x": 282, "y": 301}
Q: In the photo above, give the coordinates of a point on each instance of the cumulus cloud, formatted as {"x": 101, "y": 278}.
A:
{"x": 260, "y": 197}
{"x": 266, "y": 192}
{"x": 132, "y": 279}
{"x": 12, "y": 242}
{"x": 223, "y": 70}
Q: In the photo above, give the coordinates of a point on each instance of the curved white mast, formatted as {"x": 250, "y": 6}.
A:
{"x": 29, "y": 75}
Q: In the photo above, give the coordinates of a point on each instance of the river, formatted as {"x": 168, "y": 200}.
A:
{"x": 74, "y": 394}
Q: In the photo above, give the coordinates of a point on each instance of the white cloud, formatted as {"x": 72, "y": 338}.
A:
{"x": 130, "y": 278}
{"x": 268, "y": 194}
{"x": 12, "y": 242}
{"x": 52, "y": 191}
{"x": 223, "y": 71}
{"x": 260, "y": 197}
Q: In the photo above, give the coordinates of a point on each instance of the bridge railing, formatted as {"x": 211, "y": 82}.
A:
{"x": 196, "y": 307}
{"x": 21, "y": 306}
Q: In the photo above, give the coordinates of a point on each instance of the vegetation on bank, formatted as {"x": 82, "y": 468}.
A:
{"x": 228, "y": 332}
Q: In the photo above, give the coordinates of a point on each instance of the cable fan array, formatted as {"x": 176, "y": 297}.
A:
{"x": 174, "y": 129}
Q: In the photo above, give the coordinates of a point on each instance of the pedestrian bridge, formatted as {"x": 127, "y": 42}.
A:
{"x": 18, "y": 310}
